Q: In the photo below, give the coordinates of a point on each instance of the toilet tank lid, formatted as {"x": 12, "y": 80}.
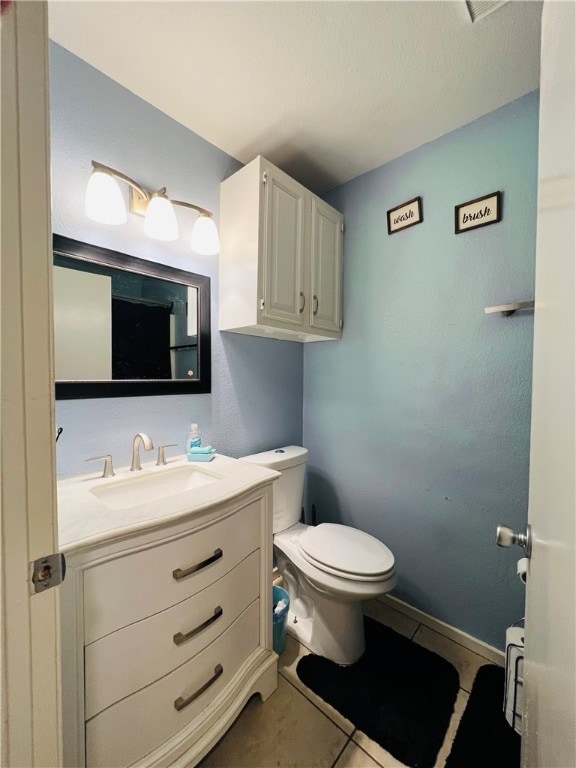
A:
{"x": 279, "y": 458}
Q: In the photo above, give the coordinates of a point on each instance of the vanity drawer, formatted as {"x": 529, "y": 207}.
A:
{"x": 130, "y": 658}
{"x": 127, "y": 731}
{"x": 140, "y": 584}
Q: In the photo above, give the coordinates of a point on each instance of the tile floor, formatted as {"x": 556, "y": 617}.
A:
{"x": 295, "y": 728}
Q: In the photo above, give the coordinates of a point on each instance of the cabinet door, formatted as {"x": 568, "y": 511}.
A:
{"x": 326, "y": 267}
{"x": 282, "y": 268}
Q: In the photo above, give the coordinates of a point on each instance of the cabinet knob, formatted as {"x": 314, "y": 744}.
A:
{"x": 315, "y": 305}
{"x": 302, "y": 302}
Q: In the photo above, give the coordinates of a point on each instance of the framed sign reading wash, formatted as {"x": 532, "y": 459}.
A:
{"x": 405, "y": 215}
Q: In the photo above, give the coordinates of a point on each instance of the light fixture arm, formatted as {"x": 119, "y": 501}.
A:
{"x": 201, "y": 211}
{"x": 113, "y": 172}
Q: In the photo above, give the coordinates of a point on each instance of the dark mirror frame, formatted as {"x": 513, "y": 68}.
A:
{"x": 72, "y": 390}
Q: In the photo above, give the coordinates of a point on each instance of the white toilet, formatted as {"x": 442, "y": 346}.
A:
{"x": 328, "y": 570}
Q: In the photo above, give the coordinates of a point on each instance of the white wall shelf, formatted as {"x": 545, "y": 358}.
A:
{"x": 509, "y": 309}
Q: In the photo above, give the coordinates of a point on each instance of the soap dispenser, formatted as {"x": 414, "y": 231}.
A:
{"x": 194, "y": 438}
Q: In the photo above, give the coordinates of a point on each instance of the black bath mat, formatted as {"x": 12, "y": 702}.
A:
{"x": 400, "y": 694}
{"x": 484, "y": 738}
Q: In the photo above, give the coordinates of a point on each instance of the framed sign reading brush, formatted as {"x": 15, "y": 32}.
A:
{"x": 405, "y": 215}
{"x": 478, "y": 213}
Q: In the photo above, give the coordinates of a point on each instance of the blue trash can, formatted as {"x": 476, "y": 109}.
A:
{"x": 279, "y": 618}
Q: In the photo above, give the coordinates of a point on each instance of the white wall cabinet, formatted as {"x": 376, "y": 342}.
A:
{"x": 280, "y": 257}
{"x": 156, "y": 663}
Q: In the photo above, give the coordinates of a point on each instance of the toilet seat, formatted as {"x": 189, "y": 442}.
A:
{"x": 346, "y": 552}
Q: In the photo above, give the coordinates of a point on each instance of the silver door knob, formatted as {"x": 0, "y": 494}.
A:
{"x": 506, "y": 537}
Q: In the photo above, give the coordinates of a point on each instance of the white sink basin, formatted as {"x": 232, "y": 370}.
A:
{"x": 145, "y": 488}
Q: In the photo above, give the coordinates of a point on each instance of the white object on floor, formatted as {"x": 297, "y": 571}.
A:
{"x": 513, "y": 694}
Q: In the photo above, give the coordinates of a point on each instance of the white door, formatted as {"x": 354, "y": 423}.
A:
{"x": 30, "y": 723}
{"x": 550, "y": 674}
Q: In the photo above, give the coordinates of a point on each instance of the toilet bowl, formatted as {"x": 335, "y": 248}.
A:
{"x": 328, "y": 570}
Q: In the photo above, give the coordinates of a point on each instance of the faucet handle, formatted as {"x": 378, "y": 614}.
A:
{"x": 108, "y": 468}
{"x": 161, "y": 455}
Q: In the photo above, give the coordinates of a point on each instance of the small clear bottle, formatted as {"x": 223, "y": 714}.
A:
{"x": 194, "y": 438}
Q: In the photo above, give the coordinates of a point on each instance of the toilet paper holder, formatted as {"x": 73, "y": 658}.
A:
{"x": 506, "y": 537}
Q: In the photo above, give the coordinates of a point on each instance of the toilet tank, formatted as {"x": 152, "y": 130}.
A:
{"x": 288, "y": 489}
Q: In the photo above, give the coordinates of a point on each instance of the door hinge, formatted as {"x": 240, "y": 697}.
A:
{"x": 262, "y": 304}
{"x": 48, "y": 572}
{"x": 341, "y": 323}
{"x": 342, "y": 227}
{"x": 264, "y": 177}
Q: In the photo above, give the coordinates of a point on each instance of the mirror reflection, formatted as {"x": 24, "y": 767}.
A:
{"x": 123, "y": 321}
{"x": 110, "y": 324}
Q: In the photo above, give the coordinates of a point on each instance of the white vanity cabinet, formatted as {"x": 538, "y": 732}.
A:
{"x": 166, "y": 633}
{"x": 280, "y": 257}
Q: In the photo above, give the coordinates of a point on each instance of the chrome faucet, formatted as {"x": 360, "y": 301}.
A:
{"x": 143, "y": 438}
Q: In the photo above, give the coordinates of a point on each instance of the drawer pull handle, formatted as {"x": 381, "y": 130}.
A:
{"x": 180, "y": 703}
{"x": 179, "y": 638}
{"x": 180, "y": 574}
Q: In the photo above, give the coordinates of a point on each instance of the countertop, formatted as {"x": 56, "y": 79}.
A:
{"x": 84, "y": 519}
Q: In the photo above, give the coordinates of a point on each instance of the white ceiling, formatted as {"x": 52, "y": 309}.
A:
{"x": 326, "y": 90}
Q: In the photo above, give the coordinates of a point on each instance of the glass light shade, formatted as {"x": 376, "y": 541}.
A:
{"x": 205, "y": 240}
{"x": 104, "y": 201}
{"x": 160, "y": 222}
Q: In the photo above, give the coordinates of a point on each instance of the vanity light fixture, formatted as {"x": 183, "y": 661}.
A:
{"x": 105, "y": 204}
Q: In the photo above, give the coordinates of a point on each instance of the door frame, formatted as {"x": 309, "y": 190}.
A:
{"x": 30, "y": 729}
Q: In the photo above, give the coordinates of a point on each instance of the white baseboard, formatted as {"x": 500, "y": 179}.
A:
{"x": 472, "y": 643}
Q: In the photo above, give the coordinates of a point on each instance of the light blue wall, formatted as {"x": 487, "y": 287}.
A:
{"x": 256, "y": 400}
{"x": 418, "y": 421}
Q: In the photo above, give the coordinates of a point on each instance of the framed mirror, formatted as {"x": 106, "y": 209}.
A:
{"x": 125, "y": 326}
